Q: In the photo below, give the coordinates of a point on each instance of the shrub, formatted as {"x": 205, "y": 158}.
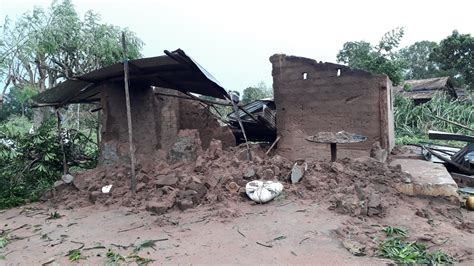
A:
{"x": 32, "y": 161}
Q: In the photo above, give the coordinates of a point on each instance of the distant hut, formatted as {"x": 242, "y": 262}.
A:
{"x": 423, "y": 90}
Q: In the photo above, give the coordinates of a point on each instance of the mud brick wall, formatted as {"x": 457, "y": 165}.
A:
{"x": 194, "y": 116}
{"x": 156, "y": 121}
{"x": 311, "y": 97}
{"x": 114, "y": 144}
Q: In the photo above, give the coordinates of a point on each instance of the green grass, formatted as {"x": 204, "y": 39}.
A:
{"x": 114, "y": 258}
{"x": 54, "y": 216}
{"x": 74, "y": 255}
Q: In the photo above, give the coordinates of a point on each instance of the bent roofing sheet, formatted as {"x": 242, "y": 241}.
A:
{"x": 175, "y": 70}
{"x": 250, "y": 107}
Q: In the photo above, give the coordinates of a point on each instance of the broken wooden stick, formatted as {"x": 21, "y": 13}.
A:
{"x": 130, "y": 229}
{"x": 273, "y": 145}
{"x": 264, "y": 245}
{"x": 453, "y": 123}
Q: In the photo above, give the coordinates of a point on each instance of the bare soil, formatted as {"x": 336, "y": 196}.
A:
{"x": 294, "y": 232}
{"x": 200, "y": 214}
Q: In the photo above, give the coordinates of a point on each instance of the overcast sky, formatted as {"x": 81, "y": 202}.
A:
{"x": 234, "y": 39}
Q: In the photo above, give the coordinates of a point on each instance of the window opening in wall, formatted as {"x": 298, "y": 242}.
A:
{"x": 338, "y": 72}
{"x": 305, "y": 75}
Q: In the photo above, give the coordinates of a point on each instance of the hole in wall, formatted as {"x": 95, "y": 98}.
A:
{"x": 305, "y": 75}
{"x": 338, "y": 72}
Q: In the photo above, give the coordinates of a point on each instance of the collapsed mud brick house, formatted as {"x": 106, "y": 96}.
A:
{"x": 157, "y": 120}
{"x": 312, "y": 97}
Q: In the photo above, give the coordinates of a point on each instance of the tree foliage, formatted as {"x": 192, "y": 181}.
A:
{"x": 455, "y": 55}
{"x": 44, "y": 47}
{"x": 381, "y": 58}
{"x": 253, "y": 93}
{"x": 38, "y": 50}
{"x": 32, "y": 161}
{"x": 417, "y": 60}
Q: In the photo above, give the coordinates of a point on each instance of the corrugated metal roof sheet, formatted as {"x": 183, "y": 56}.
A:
{"x": 175, "y": 70}
{"x": 250, "y": 107}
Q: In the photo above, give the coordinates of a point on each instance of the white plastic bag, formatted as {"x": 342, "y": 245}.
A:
{"x": 263, "y": 191}
{"x": 106, "y": 189}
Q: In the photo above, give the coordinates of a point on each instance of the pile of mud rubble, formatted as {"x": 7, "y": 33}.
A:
{"x": 364, "y": 189}
{"x": 187, "y": 176}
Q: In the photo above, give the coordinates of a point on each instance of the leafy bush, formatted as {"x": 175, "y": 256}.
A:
{"x": 32, "y": 161}
{"x": 412, "y": 122}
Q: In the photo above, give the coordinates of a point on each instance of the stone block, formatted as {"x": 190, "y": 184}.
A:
{"x": 428, "y": 179}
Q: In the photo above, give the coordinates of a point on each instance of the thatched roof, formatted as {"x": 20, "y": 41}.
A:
{"x": 425, "y": 88}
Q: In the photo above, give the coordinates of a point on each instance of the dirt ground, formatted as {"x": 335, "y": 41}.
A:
{"x": 294, "y": 232}
{"x": 197, "y": 213}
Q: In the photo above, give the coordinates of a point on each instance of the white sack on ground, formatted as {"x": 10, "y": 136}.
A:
{"x": 263, "y": 191}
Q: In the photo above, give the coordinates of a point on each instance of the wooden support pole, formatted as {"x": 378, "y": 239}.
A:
{"x": 333, "y": 152}
{"x": 235, "y": 108}
{"x": 133, "y": 182}
{"x": 61, "y": 142}
{"x": 98, "y": 128}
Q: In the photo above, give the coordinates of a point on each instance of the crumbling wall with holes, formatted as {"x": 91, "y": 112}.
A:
{"x": 312, "y": 97}
{"x": 193, "y": 115}
{"x": 156, "y": 122}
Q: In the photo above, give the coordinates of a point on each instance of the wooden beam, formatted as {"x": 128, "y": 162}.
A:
{"x": 61, "y": 142}
{"x": 133, "y": 182}
{"x": 454, "y": 123}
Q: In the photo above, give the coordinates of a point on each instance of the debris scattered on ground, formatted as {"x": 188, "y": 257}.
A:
{"x": 67, "y": 178}
{"x": 106, "y": 189}
{"x": 298, "y": 170}
{"x": 364, "y": 189}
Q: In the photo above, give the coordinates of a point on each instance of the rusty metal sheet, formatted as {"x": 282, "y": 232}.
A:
{"x": 175, "y": 70}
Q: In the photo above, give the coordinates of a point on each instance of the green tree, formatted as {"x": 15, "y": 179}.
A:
{"x": 381, "y": 58}
{"x": 455, "y": 55}
{"x": 44, "y": 47}
{"x": 253, "y": 93}
{"x": 417, "y": 60}
{"x": 16, "y": 102}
